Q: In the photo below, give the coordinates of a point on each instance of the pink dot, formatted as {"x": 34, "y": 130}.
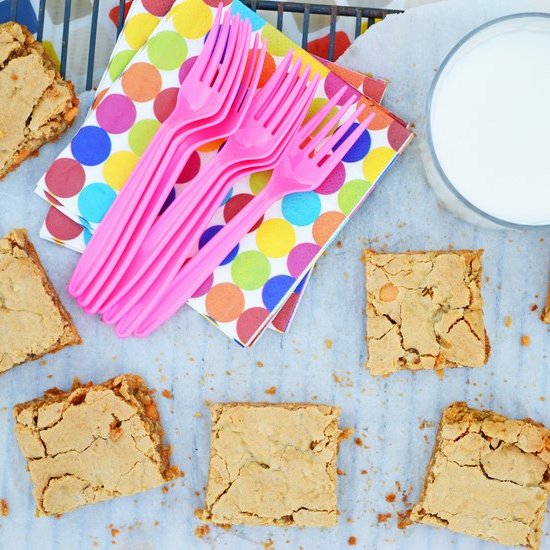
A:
{"x": 215, "y": 3}
{"x": 65, "y": 178}
{"x": 333, "y": 83}
{"x": 165, "y": 103}
{"x": 333, "y": 181}
{"x": 116, "y": 114}
{"x": 158, "y": 7}
{"x": 300, "y": 257}
{"x": 205, "y": 287}
{"x": 191, "y": 169}
{"x": 249, "y": 322}
{"x": 397, "y": 135}
{"x": 61, "y": 227}
{"x": 185, "y": 68}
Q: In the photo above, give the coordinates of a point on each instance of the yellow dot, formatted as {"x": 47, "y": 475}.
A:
{"x": 316, "y": 105}
{"x": 138, "y": 29}
{"x": 316, "y": 66}
{"x": 277, "y": 43}
{"x": 275, "y": 238}
{"x": 376, "y": 162}
{"x": 118, "y": 167}
{"x": 192, "y": 18}
{"x": 259, "y": 180}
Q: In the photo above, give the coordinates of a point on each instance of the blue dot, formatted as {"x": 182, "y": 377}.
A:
{"x": 359, "y": 149}
{"x": 255, "y": 20}
{"x": 301, "y": 208}
{"x": 91, "y": 145}
{"x": 275, "y": 289}
{"x": 94, "y": 201}
{"x": 228, "y": 196}
{"x": 87, "y": 237}
{"x": 302, "y": 283}
{"x": 208, "y": 234}
{"x": 169, "y": 200}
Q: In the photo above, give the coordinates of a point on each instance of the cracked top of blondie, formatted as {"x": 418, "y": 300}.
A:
{"x": 488, "y": 477}
{"x": 424, "y": 310}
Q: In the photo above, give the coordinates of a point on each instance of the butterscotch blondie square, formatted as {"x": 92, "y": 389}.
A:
{"x": 33, "y": 322}
{"x": 36, "y": 104}
{"x": 92, "y": 443}
{"x": 545, "y": 316}
{"x": 488, "y": 477}
{"x": 424, "y": 311}
{"x": 273, "y": 464}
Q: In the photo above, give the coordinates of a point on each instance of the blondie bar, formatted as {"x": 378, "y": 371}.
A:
{"x": 488, "y": 477}
{"x": 424, "y": 311}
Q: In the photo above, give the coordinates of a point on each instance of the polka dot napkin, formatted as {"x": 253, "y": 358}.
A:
{"x": 246, "y": 292}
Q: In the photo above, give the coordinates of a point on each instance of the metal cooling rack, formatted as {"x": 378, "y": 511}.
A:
{"x": 359, "y": 15}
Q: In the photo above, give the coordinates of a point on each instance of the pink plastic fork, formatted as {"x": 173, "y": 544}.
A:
{"x": 304, "y": 166}
{"x": 177, "y": 154}
{"x": 288, "y": 110}
{"x": 191, "y": 201}
{"x": 205, "y": 97}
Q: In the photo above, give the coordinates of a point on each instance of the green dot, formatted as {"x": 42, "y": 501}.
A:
{"x": 120, "y": 62}
{"x": 167, "y": 50}
{"x": 250, "y": 270}
{"x": 141, "y": 134}
{"x": 350, "y": 195}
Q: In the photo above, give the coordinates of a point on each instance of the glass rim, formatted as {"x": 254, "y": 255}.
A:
{"x": 441, "y": 173}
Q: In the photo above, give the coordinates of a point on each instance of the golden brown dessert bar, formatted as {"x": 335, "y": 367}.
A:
{"x": 92, "y": 443}
{"x": 36, "y": 104}
{"x": 488, "y": 477}
{"x": 33, "y": 322}
{"x": 545, "y": 316}
{"x": 424, "y": 311}
{"x": 273, "y": 464}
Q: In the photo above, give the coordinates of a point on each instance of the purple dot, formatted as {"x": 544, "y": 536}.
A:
{"x": 205, "y": 287}
{"x": 333, "y": 181}
{"x": 300, "y": 257}
{"x": 116, "y": 114}
{"x": 359, "y": 149}
{"x": 333, "y": 84}
{"x": 275, "y": 289}
{"x": 185, "y": 68}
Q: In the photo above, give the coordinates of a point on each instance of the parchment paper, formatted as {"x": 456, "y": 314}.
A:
{"x": 197, "y": 363}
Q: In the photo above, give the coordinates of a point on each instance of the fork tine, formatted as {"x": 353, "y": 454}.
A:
{"x": 252, "y": 77}
{"x": 288, "y": 98}
{"x": 281, "y": 93}
{"x": 307, "y": 129}
{"x": 265, "y": 94}
{"x": 234, "y": 63}
{"x": 328, "y": 164}
{"x": 325, "y": 130}
{"x": 206, "y": 52}
{"x": 292, "y": 122}
{"x": 219, "y": 48}
{"x": 340, "y": 134}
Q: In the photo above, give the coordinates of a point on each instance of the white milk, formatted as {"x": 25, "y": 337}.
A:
{"x": 490, "y": 120}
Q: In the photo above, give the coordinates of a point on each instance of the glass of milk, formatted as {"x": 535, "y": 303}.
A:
{"x": 488, "y": 124}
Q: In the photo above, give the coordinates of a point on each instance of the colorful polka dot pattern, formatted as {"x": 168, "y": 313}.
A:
{"x": 249, "y": 287}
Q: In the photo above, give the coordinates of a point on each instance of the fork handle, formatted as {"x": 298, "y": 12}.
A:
{"x": 193, "y": 274}
{"x": 115, "y": 222}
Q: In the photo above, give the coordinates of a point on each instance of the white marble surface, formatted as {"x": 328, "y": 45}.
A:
{"x": 197, "y": 363}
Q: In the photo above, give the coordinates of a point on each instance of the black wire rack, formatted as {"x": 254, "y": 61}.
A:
{"x": 332, "y": 13}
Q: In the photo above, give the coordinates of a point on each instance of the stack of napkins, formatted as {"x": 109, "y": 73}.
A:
{"x": 271, "y": 265}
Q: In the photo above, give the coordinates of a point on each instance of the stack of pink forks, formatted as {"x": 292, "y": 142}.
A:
{"x": 134, "y": 270}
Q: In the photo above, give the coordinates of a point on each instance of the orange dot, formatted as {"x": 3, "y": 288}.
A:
{"x": 381, "y": 118}
{"x": 141, "y": 82}
{"x": 325, "y": 226}
{"x": 225, "y": 302}
{"x": 99, "y": 97}
{"x": 211, "y": 146}
{"x": 267, "y": 70}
